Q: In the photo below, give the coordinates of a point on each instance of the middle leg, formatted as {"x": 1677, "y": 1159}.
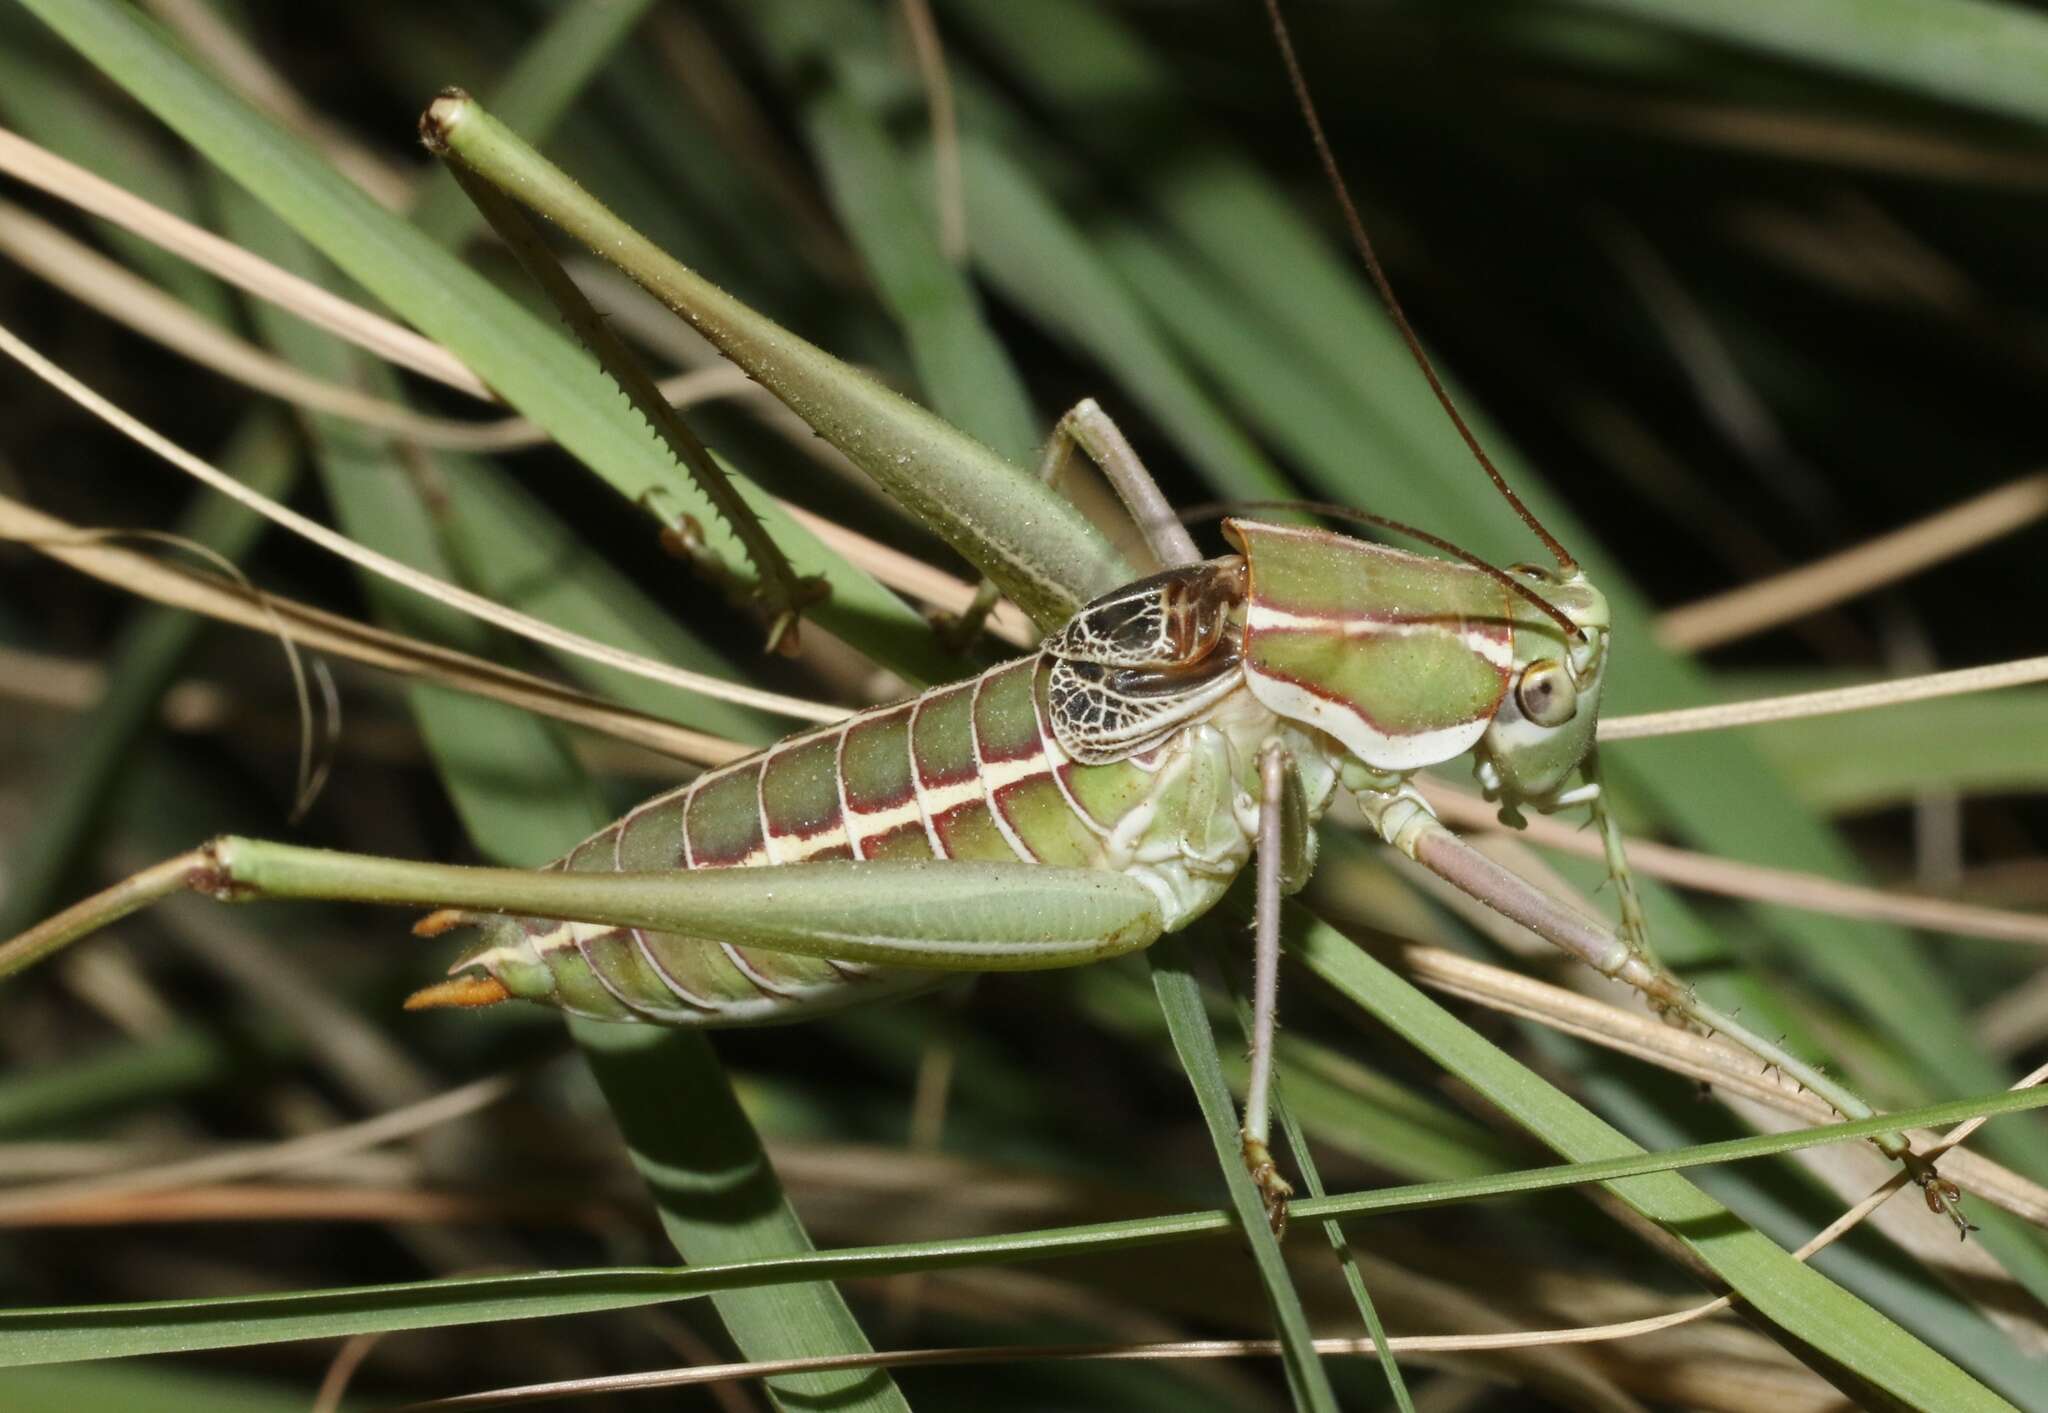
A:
{"x": 1088, "y": 427}
{"x": 1282, "y": 869}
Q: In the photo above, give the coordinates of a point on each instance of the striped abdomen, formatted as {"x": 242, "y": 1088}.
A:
{"x": 968, "y": 771}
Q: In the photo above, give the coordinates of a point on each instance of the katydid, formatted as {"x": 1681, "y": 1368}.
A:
{"x": 1070, "y": 805}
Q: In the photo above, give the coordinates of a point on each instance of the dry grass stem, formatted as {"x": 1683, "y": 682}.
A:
{"x": 1757, "y": 883}
{"x": 240, "y": 1202}
{"x": 342, "y": 1371}
{"x": 909, "y": 575}
{"x": 113, "y": 291}
{"x": 938, "y": 96}
{"x": 1859, "y": 143}
{"x": 1708, "y": 1059}
{"x": 476, "y": 605}
{"x": 246, "y": 71}
{"x": 44, "y": 680}
{"x": 1885, "y": 560}
{"x": 24, "y": 1204}
{"x": 67, "y": 181}
{"x": 344, "y": 637}
{"x": 1829, "y": 703}
{"x": 2016, "y": 1020}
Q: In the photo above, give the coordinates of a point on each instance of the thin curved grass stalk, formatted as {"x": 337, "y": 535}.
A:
{"x": 388, "y": 568}
{"x": 1376, "y": 1344}
{"x": 1928, "y": 687}
{"x": 107, "y": 286}
{"x": 346, "y": 638}
{"x": 1738, "y": 613}
{"x": 238, "y": 1321}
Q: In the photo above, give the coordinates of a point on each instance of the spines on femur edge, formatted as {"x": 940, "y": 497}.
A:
{"x": 967, "y": 771}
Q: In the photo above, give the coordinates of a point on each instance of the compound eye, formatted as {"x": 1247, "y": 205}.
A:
{"x": 1546, "y": 694}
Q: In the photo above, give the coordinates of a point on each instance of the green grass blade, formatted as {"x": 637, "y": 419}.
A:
{"x": 1044, "y": 265}
{"x": 817, "y": 50}
{"x": 1797, "y": 1299}
{"x": 1180, "y": 1001}
{"x": 523, "y": 802}
{"x": 721, "y": 1204}
{"x": 528, "y": 362}
{"x": 1977, "y": 53}
{"x": 152, "y": 651}
{"x": 1302, "y": 1159}
{"x": 61, "y": 1334}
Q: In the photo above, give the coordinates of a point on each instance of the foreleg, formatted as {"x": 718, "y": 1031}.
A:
{"x": 1088, "y": 427}
{"x": 1404, "y": 819}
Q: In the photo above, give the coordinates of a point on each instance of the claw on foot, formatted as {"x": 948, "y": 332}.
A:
{"x": 1275, "y": 1189}
{"x": 446, "y": 920}
{"x": 1944, "y": 1198}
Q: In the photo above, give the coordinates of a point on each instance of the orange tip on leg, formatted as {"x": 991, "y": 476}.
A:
{"x": 446, "y": 920}
{"x": 469, "y": 990}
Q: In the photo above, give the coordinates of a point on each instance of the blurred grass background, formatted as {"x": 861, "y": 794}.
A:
{"x": 1740, "y": 299}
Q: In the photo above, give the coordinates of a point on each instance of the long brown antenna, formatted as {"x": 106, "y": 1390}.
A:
{"x": 1366, "y": 517}
{"x": 1379, "y": 278}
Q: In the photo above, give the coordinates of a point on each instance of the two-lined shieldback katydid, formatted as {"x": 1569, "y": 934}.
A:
{"x": 1138, "y": 759}
{"x": 1066, "y": 806}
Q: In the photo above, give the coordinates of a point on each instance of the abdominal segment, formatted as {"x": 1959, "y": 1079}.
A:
{"x": 967, "y": 771}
